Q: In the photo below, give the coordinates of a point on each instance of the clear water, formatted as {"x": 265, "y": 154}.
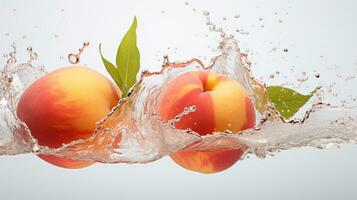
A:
{"x": 133, "y": 133}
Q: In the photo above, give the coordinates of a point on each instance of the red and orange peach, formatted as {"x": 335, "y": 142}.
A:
{"x": 64, "y": 106}
{"x": 221, "y": 104}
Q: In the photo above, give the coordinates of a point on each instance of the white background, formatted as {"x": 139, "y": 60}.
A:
{"x": 320, "y": 36}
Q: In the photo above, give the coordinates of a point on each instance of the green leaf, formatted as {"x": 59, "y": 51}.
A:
{"x": 112, "y": 70}
{"x": 128, "y": 58}
{"x": 127, "y": 61}
{"x": 287, "y": 101}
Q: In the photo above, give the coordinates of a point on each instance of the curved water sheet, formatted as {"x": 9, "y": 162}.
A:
{"x": 15, "y": 78}
{"x": 133, "y": 133}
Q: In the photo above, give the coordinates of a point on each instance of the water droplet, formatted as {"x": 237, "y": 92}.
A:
{"x": 85, "y": 44}
{"x": 212, "y": 27}
{"x": 242, "y": 32}
{"x": 223, "y": 35}
{"x": 205, "y": 13}
{"x": 302, "y": 79}
{"x": 73, "y": 58}
{"x": 33, "y": 56}
{"x": 317, "y": 75}
{"x": 11, "y": 60}
{"x": 7, "y": 78}
{"x": 166, "y": 60}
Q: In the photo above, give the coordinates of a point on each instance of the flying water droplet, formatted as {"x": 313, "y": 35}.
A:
{"x": 75, "y": 58}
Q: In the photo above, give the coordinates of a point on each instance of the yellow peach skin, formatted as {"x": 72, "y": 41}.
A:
{"x": 221, "y": 104}
{"x": 64, "y": 106}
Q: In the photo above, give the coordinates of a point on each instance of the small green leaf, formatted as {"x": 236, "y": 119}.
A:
{"x": 112, "y": 70}
{"x": 287, "y": 101}
{"x": 128, "y": 58}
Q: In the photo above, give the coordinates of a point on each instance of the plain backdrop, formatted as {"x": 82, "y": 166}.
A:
{"x": 319, "y": 35}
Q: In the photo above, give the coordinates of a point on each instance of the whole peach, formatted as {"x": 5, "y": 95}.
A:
{"x": 221, "y": 104}
{"x": 64, "y": 106}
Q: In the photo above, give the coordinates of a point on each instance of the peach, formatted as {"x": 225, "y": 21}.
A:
{"x": 64, "y": 106}
{"x": 221, "y": 104}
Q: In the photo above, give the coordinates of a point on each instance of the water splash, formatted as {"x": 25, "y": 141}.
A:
{"x": 133, "y": 133}
{"x": 15, "y": 138}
